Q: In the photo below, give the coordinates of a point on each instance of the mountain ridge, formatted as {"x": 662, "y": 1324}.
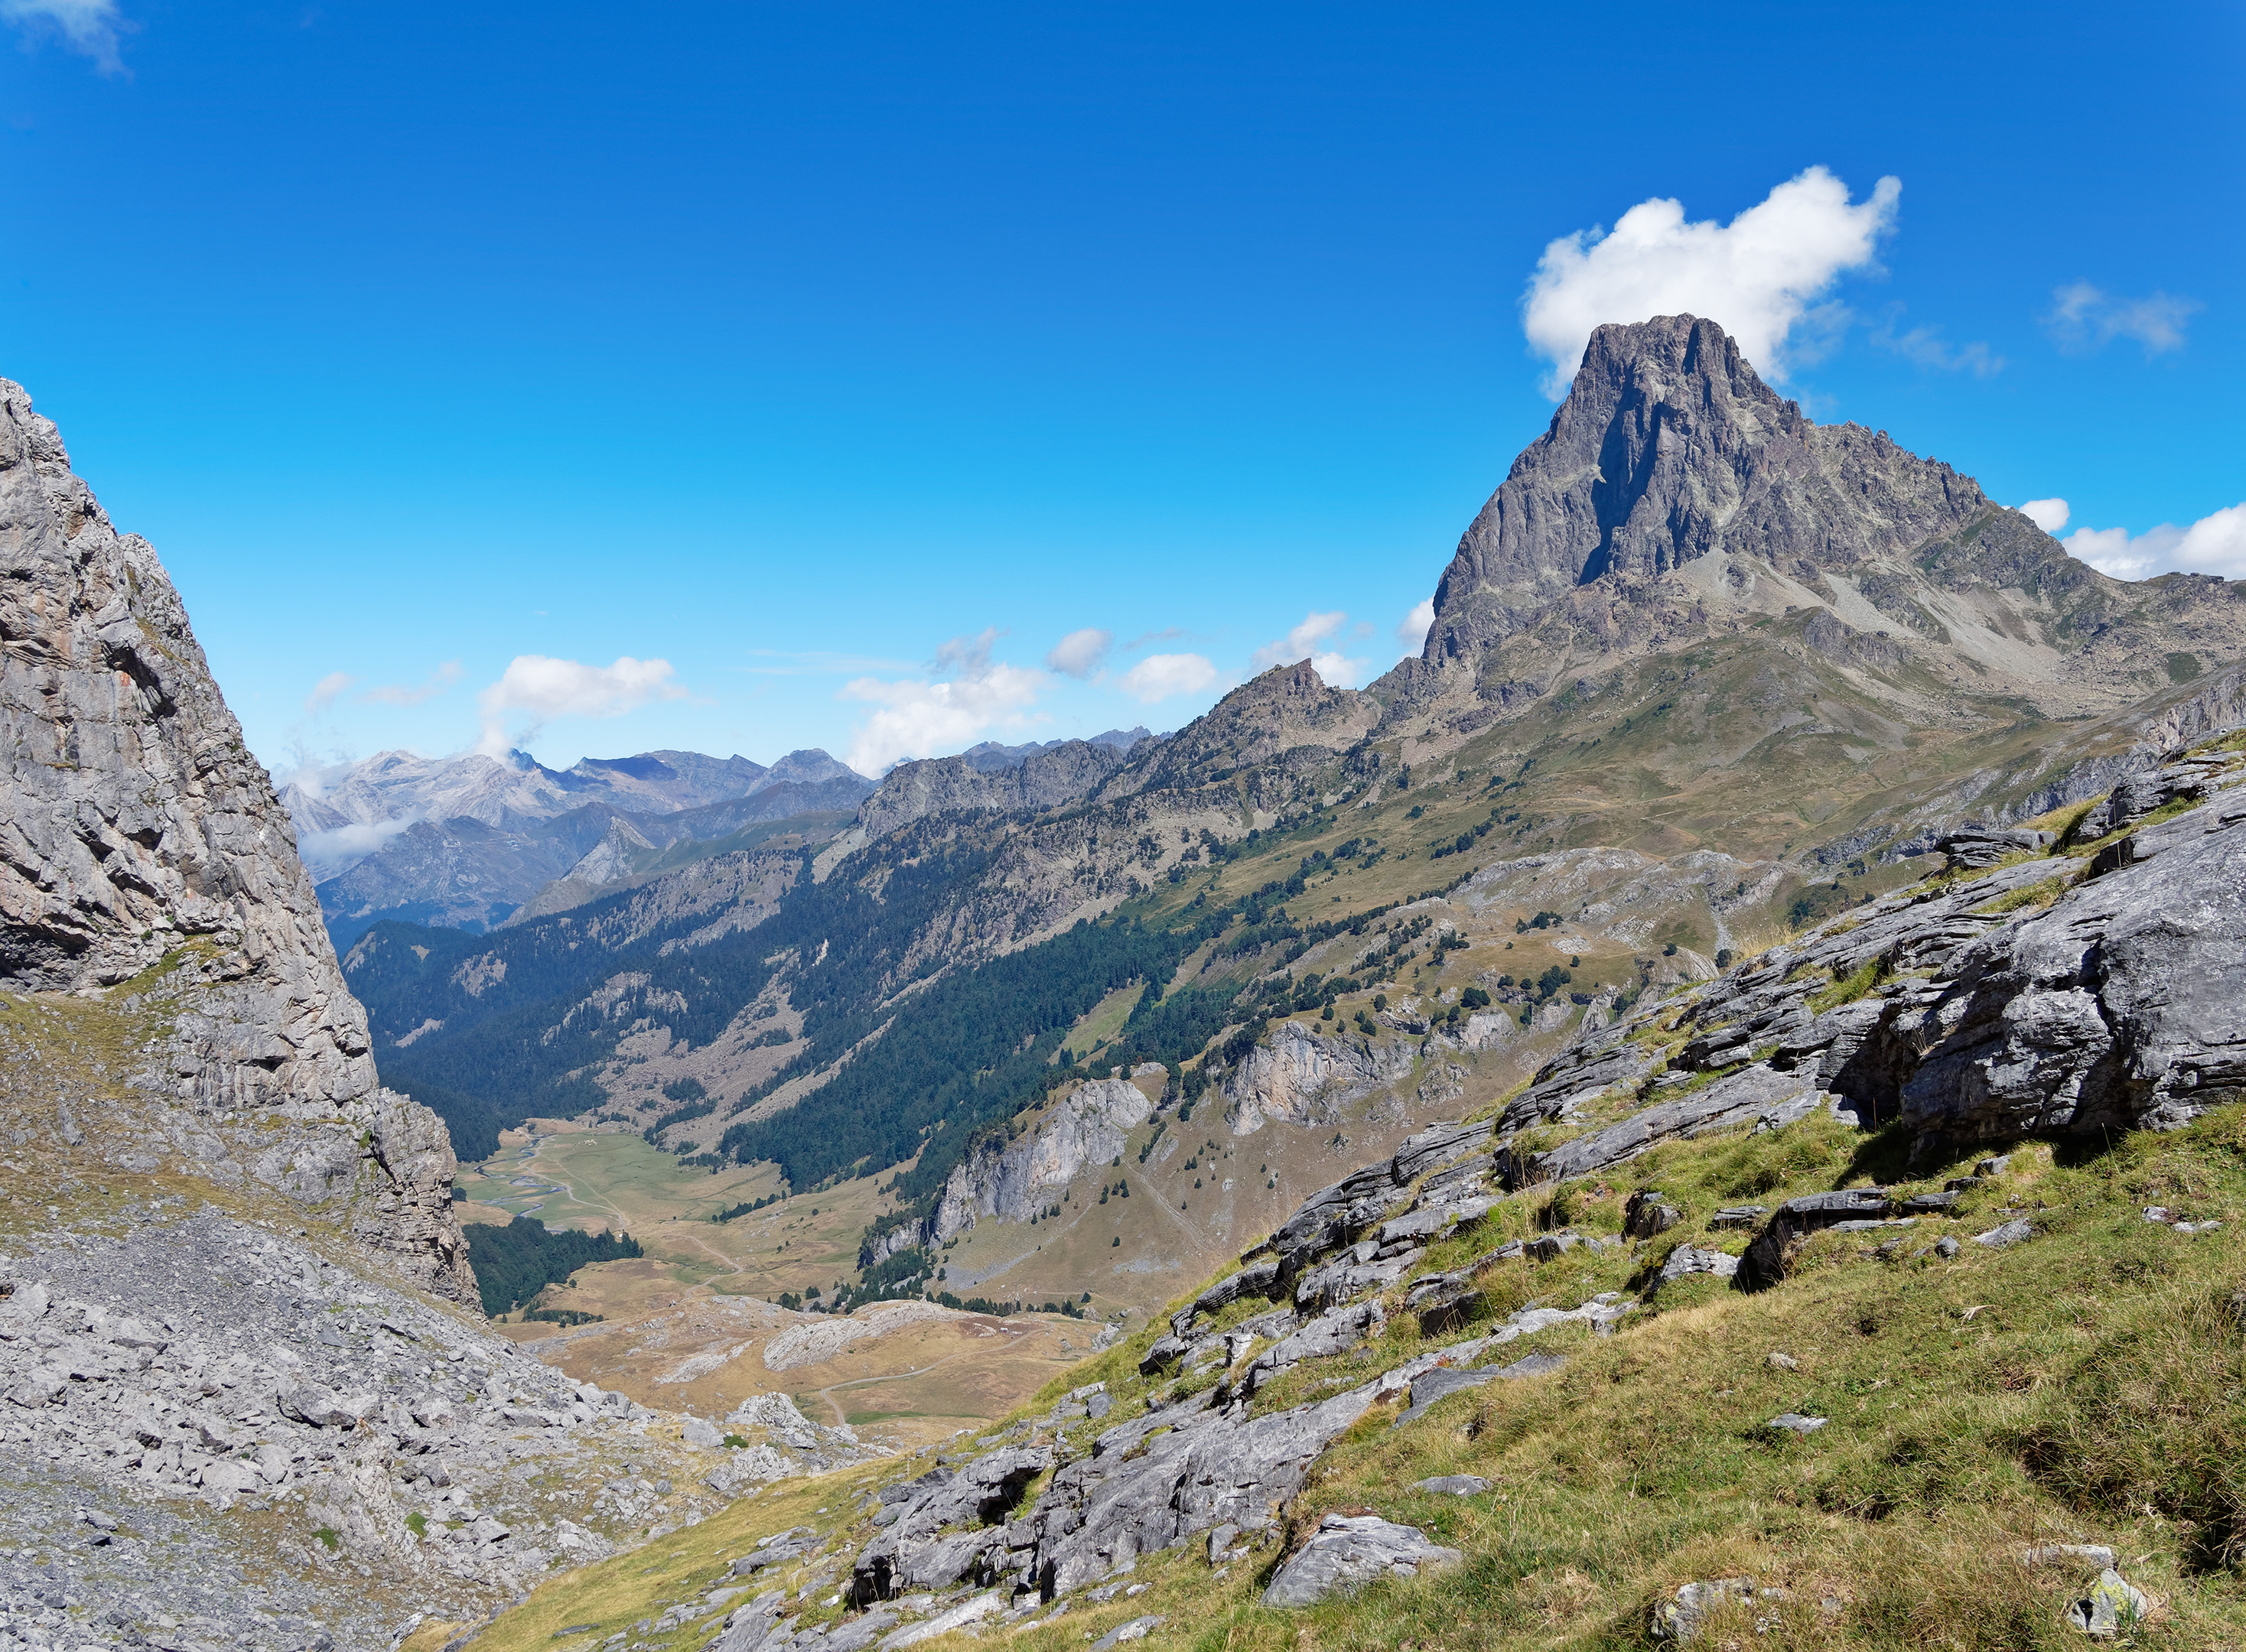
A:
{"x": 1701, "y": 670}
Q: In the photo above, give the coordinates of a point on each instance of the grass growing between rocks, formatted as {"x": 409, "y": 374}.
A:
{"x": 2087, "y": 1386}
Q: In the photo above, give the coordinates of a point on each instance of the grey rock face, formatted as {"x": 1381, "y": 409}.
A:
{"x": 1675, "y": 494}
{"x": 1349, "y": 1552}
{"x": 1303, "y": 1077}
{"x": 1014, "y": 1180}
{"x": 2002, "y": 1004}
{"x": 1042, "y": 780}
{"x": 139, "y": 830}
{"x": 2123, "y": 1007}
{"x": 1667, "y": 448}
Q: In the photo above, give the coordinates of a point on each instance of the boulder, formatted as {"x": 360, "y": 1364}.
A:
{"x": 1679, "y": 1619}
{"x": 1348, "y": 1552}
{"x": 2111, "y": 1605}
{"x": 1687, "y": 1259}
{"x": 1649, "y": 1214}
{"x": 703, "y": 1436}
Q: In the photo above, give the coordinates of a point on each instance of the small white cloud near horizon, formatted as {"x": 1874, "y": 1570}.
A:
{"x": 1080, "y": 653}
{"x": 2086, "y": 317}
{"x": 1925, "y": 347}
{"x": 2049, "y": 514}
{"x": 339, "y": 848}
{"x": 919, "y": 717}
{"x": 1756, "y": 276}
{"x": 2215, "y": 544}
{"x": 1335, "y": 669}
{"x": 396, "y": 694}
{"x": 1160, "y": 675}
{"x": 546, "y": 689}
{"x": 1411, "y": 630}
{"x": 327, "y": 691}
{"x": 88, "y": 27}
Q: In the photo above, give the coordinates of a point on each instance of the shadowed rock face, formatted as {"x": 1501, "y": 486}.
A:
{"x": 1669, "y": 447}
{"x": 138, "y": 831}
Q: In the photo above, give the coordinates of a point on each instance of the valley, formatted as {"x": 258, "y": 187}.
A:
{"x": 1774, "y": 957}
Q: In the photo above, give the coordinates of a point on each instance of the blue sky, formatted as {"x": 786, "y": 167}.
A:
{"x": 751, "y": 377}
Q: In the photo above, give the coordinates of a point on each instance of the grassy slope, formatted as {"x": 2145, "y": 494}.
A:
{"x": 2084, "y": 1386}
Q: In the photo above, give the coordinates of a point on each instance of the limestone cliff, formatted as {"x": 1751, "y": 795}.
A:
{"x": 1013, "y": 1182}
{"x": 144, "y": 858}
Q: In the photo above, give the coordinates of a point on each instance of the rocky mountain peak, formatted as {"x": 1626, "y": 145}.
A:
{"x": 1676, "y": 497}
{"x": 1668, "y": 447}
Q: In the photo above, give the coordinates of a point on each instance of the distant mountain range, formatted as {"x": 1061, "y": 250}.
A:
{"x": 464, "y": 842}
{"x": 473, "y": 842}
{"x": 991, "y": 757}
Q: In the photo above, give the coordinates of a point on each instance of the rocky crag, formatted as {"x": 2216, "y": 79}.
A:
{"x": 246, "y": 1397}
{"x": 148, "y": 860}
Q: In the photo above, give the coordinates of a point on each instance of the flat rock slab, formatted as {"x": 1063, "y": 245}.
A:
{"x": 1136, "y": 1629}
{"x": 2009, "y": 1234}
{"x": 1795, "y": 1422}
{"x": 1349, "y": 1552}
{"x": 1453, "y": 1486}
{"x": 1530, "y": 1366}
{"x": 1687, "y": 1259}
{"x": 1446, "y": 1379}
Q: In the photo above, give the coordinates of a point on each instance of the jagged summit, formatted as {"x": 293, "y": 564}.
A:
{"x": 1676, "y": 495}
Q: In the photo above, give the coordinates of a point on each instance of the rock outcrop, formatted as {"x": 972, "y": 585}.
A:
{"x": 2065, "y": 993}
{"x": 1303, "y": 1077}
{"x": 146, "y": 858}
{"x": 1044, "y": 780}
{"x": 1013, "y": 1181}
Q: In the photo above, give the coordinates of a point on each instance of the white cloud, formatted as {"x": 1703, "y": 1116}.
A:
{"x": 324, "y": 691}
{"x": 1925, "y": 347}
{"x": 1756, "y": 276}
{"x": 919, "y": 716}
{"x": 2215, "y": 544}
{"x": 1411, "y": 630}
{"x": 394, "y": 694}
{"x": 547, "y": 688}
{"x": 2049, "y": 514}
{"x": 1333, "y": 668}
{"x": 1080, "y": 653}
{"x": 87, "y": 26}
{"x": 1160, "y": 675}
{"x": 335, "y": 851}
{"x": 2086, "y": 317}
